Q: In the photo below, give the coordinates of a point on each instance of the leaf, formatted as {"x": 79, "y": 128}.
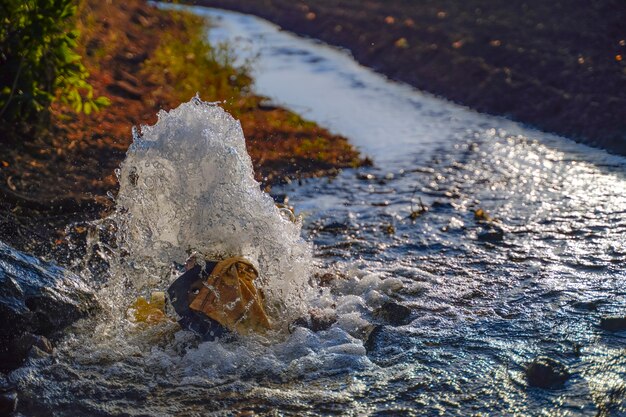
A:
{"x": 78, "y": 106}
{"x": 102, "y": 101}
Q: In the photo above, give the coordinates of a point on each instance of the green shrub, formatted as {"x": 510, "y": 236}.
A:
{"x": 38, "y": 60}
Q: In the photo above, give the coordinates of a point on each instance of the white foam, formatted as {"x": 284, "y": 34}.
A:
{"x": 187, "y": 184}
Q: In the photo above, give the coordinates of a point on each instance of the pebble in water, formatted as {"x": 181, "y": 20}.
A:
{"x": 394, "y": 313}
{"x": 546, "y": 372}
{"x": 613, "y": 324}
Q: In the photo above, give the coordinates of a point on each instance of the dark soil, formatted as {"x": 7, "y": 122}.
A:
{"x": 557, "y": 65}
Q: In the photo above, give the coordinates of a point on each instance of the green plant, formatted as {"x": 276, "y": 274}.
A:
{"x": 189, "y": 64}
{"x": 38, "y": 60}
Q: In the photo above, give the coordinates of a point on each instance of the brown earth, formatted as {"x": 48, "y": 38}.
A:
{"x": 63, "y": 175}
{"x": 558, "y": 65}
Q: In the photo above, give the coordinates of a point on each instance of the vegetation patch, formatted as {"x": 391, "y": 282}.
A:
{"x": 38, "y": 41}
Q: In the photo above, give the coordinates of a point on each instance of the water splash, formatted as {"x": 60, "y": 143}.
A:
{"x": 187, "y": 184}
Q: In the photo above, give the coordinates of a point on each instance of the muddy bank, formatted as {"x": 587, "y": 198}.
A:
{"x": 560, "y": 66}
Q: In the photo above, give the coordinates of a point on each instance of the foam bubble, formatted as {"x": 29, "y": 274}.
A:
{"x": 187, "y": 184}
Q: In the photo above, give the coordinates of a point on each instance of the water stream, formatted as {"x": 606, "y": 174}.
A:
{"x": 485, "y": 297}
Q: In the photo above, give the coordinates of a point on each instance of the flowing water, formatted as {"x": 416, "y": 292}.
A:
{"x": 486, "y": 297}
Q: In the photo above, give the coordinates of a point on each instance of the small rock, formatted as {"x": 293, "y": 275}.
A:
{"x": 27, "y": 342}
{"x": 492, "y": 234}
{"x": 334, "y": 227}
{"x": 8, "y": 402}
{"x": 317, "y": 321}
{"x": 42, "y": 343}
{"x": 613, "y": 324}
{"x": 327, "y": 279}
{"x": 442, "y": 205}
{"x": 394, "y": 313}
{"x": 384, "y": 344}
{"x": 590, "y": 305}
{"x": 371, "y": 341}
{"x": 321, "y": 321}
{"x": 36, "y": 299}
{"x": 546, "y": 372}
{"x": 36, "y": 353}
{"x": 474, "y": 294}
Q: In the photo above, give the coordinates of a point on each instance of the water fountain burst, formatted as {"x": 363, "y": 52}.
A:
{"x": 187, "y": 184}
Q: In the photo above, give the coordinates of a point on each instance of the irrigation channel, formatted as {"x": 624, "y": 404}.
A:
{"x": 531, "y": 275}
